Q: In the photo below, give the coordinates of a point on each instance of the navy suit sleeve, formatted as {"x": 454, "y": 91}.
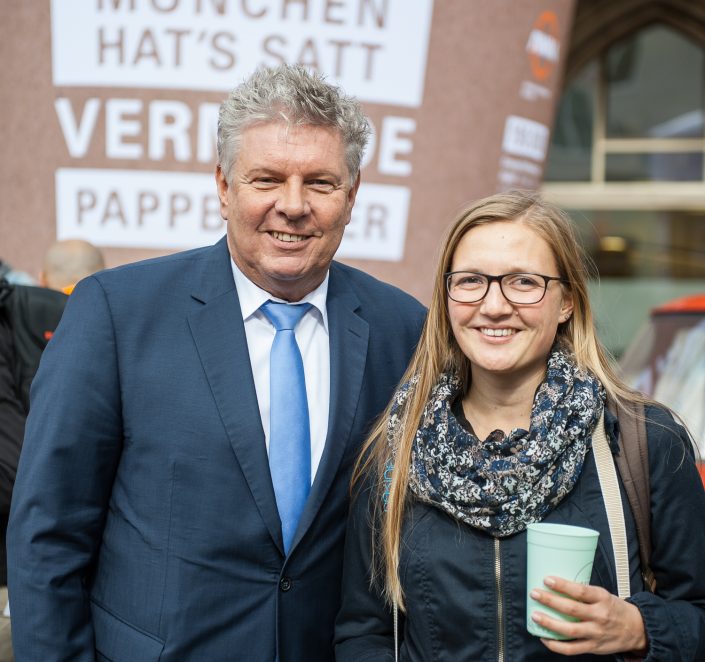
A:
{"x": 72, "y": 446}
{"x": 365, "y": 627}
{"x": 674, "y": 617}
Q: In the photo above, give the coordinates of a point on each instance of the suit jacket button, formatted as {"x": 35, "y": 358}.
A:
{"x": 285, "y": 584}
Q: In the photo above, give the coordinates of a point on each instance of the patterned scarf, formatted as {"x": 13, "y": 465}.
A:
{"x": 504, "y": 483}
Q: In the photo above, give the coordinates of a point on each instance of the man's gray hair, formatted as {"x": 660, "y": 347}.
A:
{"x": 295, "y": 96}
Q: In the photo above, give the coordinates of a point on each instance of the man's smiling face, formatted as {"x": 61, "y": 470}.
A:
{"x": 286, "y": 203}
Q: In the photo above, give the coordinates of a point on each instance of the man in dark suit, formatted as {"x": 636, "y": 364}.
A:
{"x": 157, "y": 513}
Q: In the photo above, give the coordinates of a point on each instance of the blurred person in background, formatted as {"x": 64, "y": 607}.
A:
{"x": 68, "y": 261}
{"x": 12, "y": 420}
{"x": 28, "y": 317}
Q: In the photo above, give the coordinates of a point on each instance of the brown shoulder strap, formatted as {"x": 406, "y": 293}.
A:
{"x": 633, "y": 466}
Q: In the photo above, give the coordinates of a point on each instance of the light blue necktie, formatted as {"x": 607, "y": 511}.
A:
{"x": 289, "y": 432}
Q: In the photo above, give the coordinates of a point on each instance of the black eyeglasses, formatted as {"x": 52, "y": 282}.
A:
{"x": 519, "y": 288}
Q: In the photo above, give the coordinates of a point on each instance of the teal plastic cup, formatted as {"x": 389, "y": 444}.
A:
{"x": 561, "y": 551}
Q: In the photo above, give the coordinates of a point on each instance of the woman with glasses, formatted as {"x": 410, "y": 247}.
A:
{"x": 490, "y": 430}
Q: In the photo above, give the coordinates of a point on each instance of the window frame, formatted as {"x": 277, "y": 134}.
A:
{"x": 599, "y": 194}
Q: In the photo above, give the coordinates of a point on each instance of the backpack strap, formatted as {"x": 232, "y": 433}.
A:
{"x": 609, "y": 484}
{"x": 633, "y": 465}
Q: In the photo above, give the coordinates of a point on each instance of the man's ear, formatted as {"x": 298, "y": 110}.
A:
{"x": 353, "y": 190}
{"x": 223, "y": 188}
{"x": 352, "y": 193}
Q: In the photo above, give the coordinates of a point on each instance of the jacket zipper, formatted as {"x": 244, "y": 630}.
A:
{"x": 500, "y": 601}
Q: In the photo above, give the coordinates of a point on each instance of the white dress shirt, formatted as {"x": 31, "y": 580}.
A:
{"x": 311, "y": 336}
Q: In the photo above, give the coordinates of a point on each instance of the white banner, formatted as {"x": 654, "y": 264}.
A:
{"x": 375, "y": 49}
{"x": 178, "y": 210}
{"x": 377, "y": 230}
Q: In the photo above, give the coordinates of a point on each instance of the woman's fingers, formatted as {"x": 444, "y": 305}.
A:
{"x": 606, "y": 624}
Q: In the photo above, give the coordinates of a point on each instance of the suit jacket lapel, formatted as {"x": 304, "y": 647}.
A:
{"x": 219, "y": 333}
{"x": 349, "y": 334}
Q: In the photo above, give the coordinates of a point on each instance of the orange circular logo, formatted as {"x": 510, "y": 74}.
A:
{"x": 543, "y": 45}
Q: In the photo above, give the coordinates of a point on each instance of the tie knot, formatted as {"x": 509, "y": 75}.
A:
{"x": 284, "y": 315}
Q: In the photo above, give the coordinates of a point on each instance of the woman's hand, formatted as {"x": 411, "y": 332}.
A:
{"x": 607, "y": 624}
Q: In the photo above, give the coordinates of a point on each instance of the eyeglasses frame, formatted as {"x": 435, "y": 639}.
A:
{"x": 498, "y": 279}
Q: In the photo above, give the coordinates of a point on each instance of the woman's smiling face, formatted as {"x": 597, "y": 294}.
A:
{"x": 497, "y": 336}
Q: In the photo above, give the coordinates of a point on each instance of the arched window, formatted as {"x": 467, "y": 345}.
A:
{"x": 627, "y": 160}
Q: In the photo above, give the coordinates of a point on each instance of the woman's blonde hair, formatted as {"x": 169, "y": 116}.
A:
{"x": 438, "y": 352}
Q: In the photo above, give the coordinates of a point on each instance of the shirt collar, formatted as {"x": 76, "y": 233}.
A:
{"x": 252, "y": 296}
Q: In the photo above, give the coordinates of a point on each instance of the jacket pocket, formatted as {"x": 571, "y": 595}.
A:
{"x": 116, "y": 641}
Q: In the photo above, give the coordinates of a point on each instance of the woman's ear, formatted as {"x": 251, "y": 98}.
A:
{"x": 566, "y": 307}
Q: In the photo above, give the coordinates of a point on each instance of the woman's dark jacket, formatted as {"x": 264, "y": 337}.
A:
{"x": 465, "y": 590}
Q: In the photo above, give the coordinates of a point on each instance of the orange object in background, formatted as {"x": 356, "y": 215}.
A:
{"x": 694, "y": 304}
{"x": 666, "y": 360}
{"x": 690, "y": 304}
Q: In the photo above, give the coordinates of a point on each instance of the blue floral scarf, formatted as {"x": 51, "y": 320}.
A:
{"x": 502, "y": 484}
